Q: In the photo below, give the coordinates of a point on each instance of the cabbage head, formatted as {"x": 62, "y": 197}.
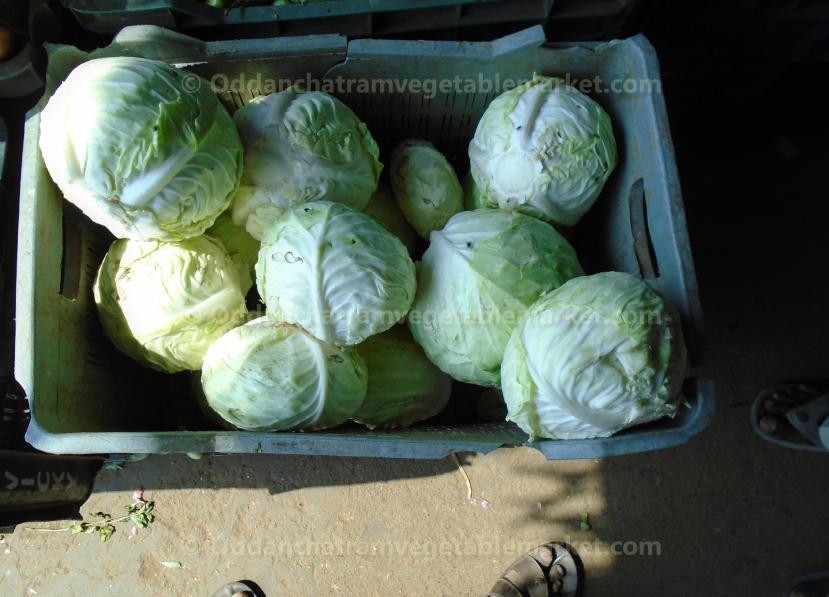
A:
{"x": 241, "y": 246}
{"x": 164, "y": 304}
{"x": 478, "y": 276}
{"x": 425, "y": 185}
{"x": 383, "y": 209}
{"x": 268, "y": 376}
{"x": 544, "y": 149}
{"x": 335, "y": 272}
{"x": 404, "y": 387}
{"x": 597, "y": 355}
{"x": 301, "y": 147}
{"x": 137, "y": 153}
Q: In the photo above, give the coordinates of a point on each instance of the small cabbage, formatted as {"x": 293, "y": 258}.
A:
{"x": 138, "y": 153}
{"x": 598, "y": 354}
{"x": 425, "y": 185}
{"x": 383, "y": 209}
{"x": 267, "y": 376}
{"x": 334, "y": 271}
{"x": 545, "y": 149}
{"x": 164, "y": 304}
{"x": 404, "y": 387}
{"x": 301, "y": 147}
{"x": 241, "y": 246}
{"x": 478, "y": 276}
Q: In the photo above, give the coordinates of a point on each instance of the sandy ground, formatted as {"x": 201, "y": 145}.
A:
{"x": 726, "y": 514}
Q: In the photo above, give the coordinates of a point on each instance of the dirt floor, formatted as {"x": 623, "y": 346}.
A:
{"x": 726, "y": 514}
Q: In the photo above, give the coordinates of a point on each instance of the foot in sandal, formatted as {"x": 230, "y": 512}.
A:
{"x": 550, "y": 570}
{"x": 794, "y": 415}
{"x": 240, "y": 588}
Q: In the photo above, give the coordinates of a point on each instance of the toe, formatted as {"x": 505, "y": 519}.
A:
{"x": 543, "y": 555}
{"x": 768, "y": 424}
{"x": 556, "y": 586}
{"x": 810, "y": 389}
{"x": 557, "y": 572}
{"x": 777, "y": 405}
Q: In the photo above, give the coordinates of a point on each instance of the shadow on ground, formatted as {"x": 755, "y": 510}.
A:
{"x": 276, "y": 473}
{"x": 732, "y": 514}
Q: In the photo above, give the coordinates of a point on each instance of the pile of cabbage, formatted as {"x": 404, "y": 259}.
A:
{"x": 263, "y": 252}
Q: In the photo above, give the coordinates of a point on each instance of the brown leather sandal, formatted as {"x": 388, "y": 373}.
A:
{"x": 240, "y": 588}
{"x": 550, "y": 570}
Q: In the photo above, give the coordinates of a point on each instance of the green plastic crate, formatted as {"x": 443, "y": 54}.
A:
{"x": 87, "y": 398}
{"x": 345, "y": 17}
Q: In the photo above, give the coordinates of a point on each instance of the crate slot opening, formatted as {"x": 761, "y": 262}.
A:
{"x": 70, "y": 265}
{"x": 642, "y": 242}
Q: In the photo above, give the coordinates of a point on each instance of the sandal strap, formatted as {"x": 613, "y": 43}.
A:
{"x": 809, "y": 418}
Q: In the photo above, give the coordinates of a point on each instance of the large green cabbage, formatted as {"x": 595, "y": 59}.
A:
{"x": 138, "y": 153}
{"x": 478, "y": 276}
{"x": 164, "y": 304}
{"x": 334, "y": 271}
{"x": 404, "y": 387}
{"x": 267, "y": 376}
{"x": 596, "y": 355}
{"x": 301, "y": 147}
{"x": 545, "y": 149}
